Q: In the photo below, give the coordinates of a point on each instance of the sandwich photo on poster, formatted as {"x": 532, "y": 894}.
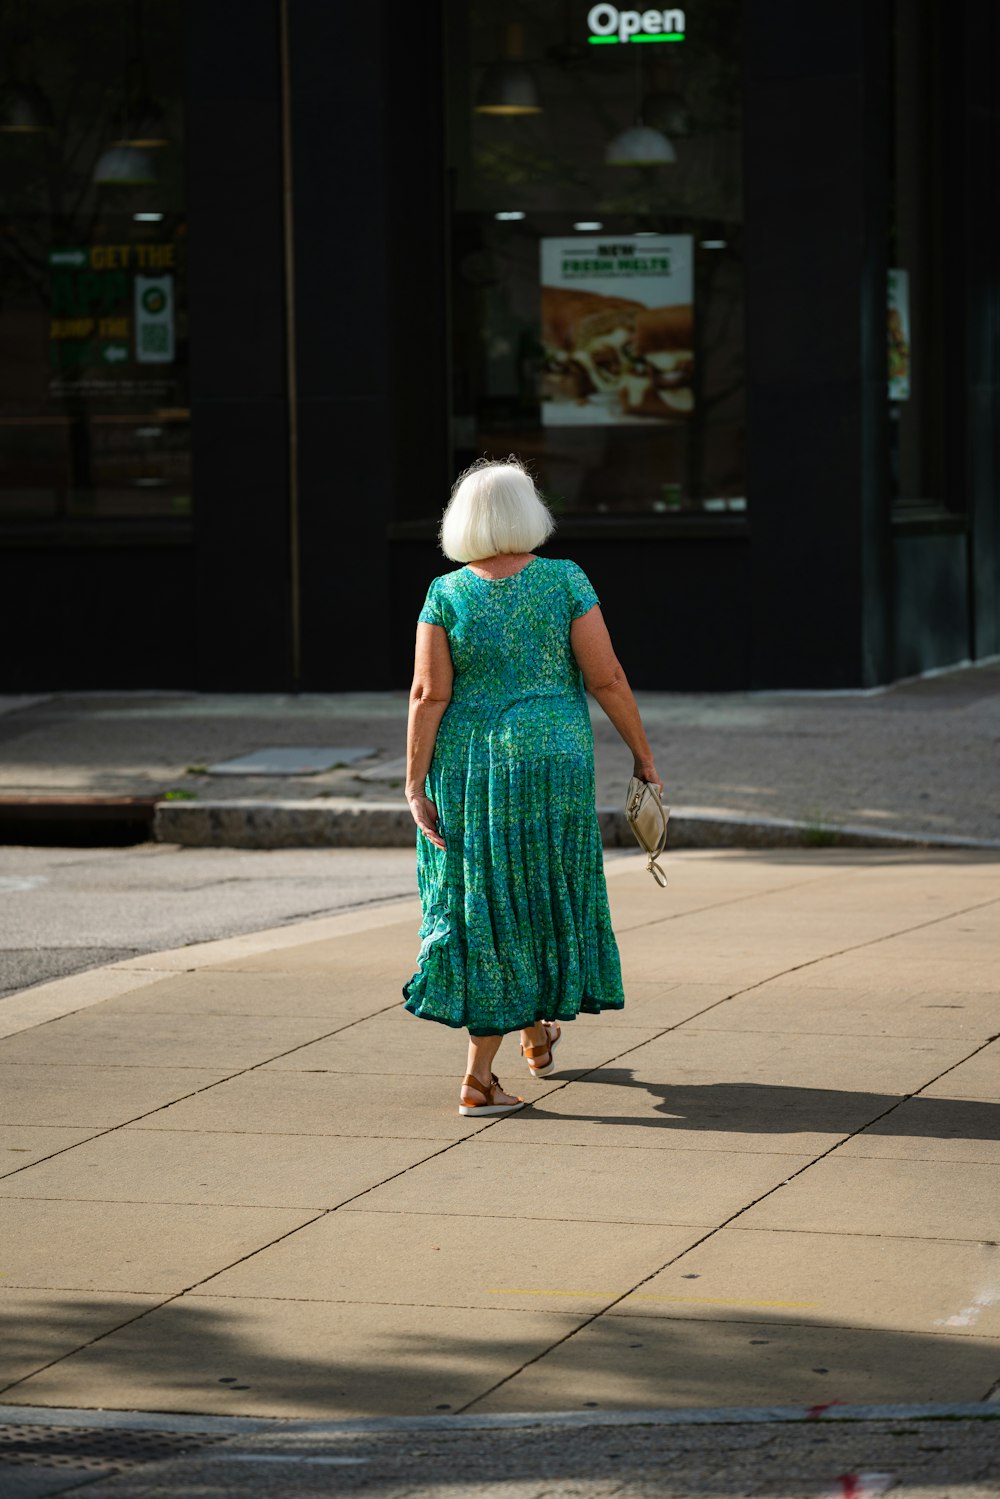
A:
{"x": 617, "y": 330}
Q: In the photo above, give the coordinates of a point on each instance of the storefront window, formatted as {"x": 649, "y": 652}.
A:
{"x": 597, "y": 283}
{"x": 94, "y": 410}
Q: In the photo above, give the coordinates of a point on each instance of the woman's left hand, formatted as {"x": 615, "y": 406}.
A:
{"x": 426, "y": 818}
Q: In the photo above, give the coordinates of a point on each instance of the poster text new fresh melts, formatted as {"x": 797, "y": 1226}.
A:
{"x": 609, "y": 24}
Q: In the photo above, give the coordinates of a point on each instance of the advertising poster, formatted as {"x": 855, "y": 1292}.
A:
{"x": 112, "y": 311}
{"x": 899, "y": 335}
{"x": 617, "y": 330}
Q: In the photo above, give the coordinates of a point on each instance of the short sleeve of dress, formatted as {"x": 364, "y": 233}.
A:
{"x": 582, "y": 596}
{"x": 431, "y": 613}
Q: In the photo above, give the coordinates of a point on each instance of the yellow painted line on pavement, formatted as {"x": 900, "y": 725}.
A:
{"x": 685, "y": 1300}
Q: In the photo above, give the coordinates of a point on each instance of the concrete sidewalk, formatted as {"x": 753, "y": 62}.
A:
{"x": 918, "y": 758}
{"x": 235, "y": 1180}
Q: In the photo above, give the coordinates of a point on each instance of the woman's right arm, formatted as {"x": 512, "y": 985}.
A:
{"x": 605, "y": 680}
{"x": 430, "y": 695}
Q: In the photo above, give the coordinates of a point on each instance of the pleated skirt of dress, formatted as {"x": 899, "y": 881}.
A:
{"x": 516, "y": 926}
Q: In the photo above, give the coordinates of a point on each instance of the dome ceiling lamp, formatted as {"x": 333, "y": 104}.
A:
{"x": 124, "y": 166}
{"x": 142, "y": 123}
{"x": 508, "y": 86}
{"x": 643, "y": 144}
{"x": 640, "y": 146}
{"x": 24, "y": 109}
{"x": 139, "y": 127}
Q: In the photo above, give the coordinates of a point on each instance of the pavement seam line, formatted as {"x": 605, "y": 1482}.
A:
{"x": 330, "y": 912}
{"x": 452, "y": 1144}
{"x": 145, "y": 1312}
{"x": 747, "y": 1206}
{"x": 759, "y": 983}
{"x": 242, "y": 1072}
{"x": 735, "y": 900}
{"x": 230, "y": 1077}
{"x": 124, "y": 963}
{"x": 854, "y": 947}
{"x": 608, "y": 1309}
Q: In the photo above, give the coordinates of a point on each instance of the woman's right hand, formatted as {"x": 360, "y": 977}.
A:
{"x": 425, "y": 816}
{"x": 647, "y": 771}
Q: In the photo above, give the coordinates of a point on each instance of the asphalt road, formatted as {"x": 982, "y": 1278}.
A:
{"x": 66, "y": 909}
{"x": 911, "y": 1459}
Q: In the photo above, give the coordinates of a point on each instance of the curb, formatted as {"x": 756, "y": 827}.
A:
{"x": 338, "y": 823}
{"x": 123, "y": 1420}
{"x": 55, "y": 998}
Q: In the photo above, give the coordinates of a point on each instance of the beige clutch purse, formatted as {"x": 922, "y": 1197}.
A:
{"x": 648, "y": 819}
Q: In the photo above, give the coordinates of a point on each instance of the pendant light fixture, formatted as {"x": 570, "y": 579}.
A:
{"x": 508, "y": 86}
{"x": 142, "y": 120}
{"x": 139, "y": 126}
{"x": 640, "y": 146}
{"x": 24, "y": 109}
{"x": 124, "y": 166}
{"x": 142, "y": 123}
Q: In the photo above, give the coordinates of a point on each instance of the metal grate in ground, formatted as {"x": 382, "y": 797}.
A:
{"x": 92, "y": 1450}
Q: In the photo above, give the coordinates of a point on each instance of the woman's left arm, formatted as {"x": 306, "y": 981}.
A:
{"x": 429, "y": 697}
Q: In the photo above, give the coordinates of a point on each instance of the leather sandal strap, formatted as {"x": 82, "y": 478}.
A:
{"x": 477, "y": 1086}
{"x": 537, "y": 1051}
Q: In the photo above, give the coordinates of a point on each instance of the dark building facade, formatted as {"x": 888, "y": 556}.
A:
{"x": 274, "y": 271}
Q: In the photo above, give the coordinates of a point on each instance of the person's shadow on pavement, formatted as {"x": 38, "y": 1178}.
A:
{"x": 774, "y": 1108}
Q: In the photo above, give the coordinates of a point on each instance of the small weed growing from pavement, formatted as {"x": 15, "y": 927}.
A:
{"x": 816, "y": 833}
{"x": 814, "y": 836}
{"x": 196, "y": 770}
{"x": 176, "y": 795}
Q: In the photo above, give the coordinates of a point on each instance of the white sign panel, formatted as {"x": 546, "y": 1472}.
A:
{"x": 154, "y": 319}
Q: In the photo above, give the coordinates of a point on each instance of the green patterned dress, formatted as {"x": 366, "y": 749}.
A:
{"x": 515, "y": 926}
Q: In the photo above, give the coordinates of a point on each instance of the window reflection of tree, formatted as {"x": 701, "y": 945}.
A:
{"x": 92, "y": 64}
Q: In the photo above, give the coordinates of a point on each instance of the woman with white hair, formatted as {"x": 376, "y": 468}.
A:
{"x": 516, "y": 933}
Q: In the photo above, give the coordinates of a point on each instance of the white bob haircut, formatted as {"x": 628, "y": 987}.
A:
{"x": 494, "y": 507}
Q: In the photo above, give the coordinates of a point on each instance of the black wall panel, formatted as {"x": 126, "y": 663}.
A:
{"x": 370, "y": 324}
{"x": 816, "y": 174}
{"x": 236, "y": 289}
{"x": 80, "y": 618}
{"x": 975, "y": 86}
{"x": 931, "y": 602}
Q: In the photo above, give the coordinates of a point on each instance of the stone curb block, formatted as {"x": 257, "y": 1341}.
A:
{"x": 331, "y": 1429}
{"x": 336, "y": 823}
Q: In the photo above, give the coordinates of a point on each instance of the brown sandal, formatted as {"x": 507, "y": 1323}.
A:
{"x": 529, "y": 1053}
{"x": 489, "y": 1094}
